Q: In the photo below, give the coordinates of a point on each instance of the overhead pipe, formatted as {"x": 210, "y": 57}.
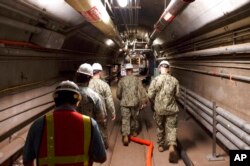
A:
{"x": 19, "y": 25}
{"x": 95, "y": 13}
{"x": 19, "y": 43}
{"x": 233, "y": 49}
{"x": 221, "y": 128}
{"x": 46, "y": 53}
{"x": 242, "y": 124}
{"x": 23, "y": 13}
{"x": 172, "y": 10}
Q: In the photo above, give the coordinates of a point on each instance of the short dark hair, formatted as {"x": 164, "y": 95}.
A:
{"x": 82, "y": 78}
{"x": 165, "y": 66}
{"x": 65, "y": 97}
{"x": 96, "y": 71}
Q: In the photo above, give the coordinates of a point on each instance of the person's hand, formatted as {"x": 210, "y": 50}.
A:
{"x": 152, "y": 106}
{"x": 113, "y": 117}
{"x": 142, "y": 106}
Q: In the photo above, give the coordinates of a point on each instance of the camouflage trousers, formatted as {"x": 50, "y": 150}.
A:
{"x": 166, "y": 129}
{"x": 103, "y": 130}
{"x": 130, "y": 121}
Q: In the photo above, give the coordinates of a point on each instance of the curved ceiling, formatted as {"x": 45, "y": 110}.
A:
{"x": 136, "y": 21}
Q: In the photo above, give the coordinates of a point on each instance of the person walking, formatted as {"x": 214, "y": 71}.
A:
{"x": 163, "y": 92}
{"x": 103, "y": 89}
{"x": 132, "y": 95}
{"x": 92, "y": 104}
{"x": 64, "y": 136}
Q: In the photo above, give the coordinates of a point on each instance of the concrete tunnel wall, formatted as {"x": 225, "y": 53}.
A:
{"x": 229, "y": 94}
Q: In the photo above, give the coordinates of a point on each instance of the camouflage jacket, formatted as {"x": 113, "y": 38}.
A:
{"x": 162, "y": 92}
{"x": 130, "y": 91}
{"x": 92, "y": 105}
{"x": 103, "y": 89}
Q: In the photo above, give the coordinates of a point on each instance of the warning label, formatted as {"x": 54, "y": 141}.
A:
{"x": 92, "y": 15}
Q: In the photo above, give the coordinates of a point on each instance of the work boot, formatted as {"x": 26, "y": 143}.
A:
{"x": 125, "y": 140}
{"x": 135, "y": 134}
{"x": 160, "y": 148}
{"x": 173, "y": 155}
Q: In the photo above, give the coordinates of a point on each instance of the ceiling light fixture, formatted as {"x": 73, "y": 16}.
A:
{"x": 109, "y": 42}
{"x": 122, "y": 3}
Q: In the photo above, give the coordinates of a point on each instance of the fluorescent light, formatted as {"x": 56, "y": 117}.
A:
{"x": 157, "y": 41}
{"x": 168, "y": 16}
{"x": 122, "y": 3}
{"x": 109, "y": 42}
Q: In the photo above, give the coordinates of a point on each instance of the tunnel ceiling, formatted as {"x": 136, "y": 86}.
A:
{"x": 133, "y": 22}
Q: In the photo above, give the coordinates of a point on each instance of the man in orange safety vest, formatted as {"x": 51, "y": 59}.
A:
{"x": 64, "y": 136}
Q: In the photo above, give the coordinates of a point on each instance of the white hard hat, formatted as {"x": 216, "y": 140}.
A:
{"x": 97, "y": 66}
{"x": 85, "y": 69}
{"x": 129, "y": 66}
{"x": 164, "y": 63}
{"x": 69, "y": 86}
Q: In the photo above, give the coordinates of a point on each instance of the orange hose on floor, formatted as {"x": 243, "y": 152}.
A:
{"x": 150, "y": 148}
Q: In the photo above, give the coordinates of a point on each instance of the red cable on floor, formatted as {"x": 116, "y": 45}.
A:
{"x": 150, "y": 148}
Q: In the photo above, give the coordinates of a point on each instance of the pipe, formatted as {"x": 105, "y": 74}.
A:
{"x": 29, "y": 100}
{"x": 212, "y": 73}
{"x": 19, "y": 43}
{"x": 172, "y": 10}
{"x": 21, "y": 123}
{"x": 95, "y": 13}
{"x": 23, "y": 13}
{"x": 224, "y": 122}
{"x": 26, "y": 110}
{"x": 245, "y": 126}
{"x": 221, "y": 137}
{"x": 242, "y": 124}
{"x": 47, "y": 53}
{"x": 230, "y": 136}
{"x": 233, "y": 49}
{"x": 19, "y": 25}
{"x": 8, "y": 151}
{"x": 234, "y": 129}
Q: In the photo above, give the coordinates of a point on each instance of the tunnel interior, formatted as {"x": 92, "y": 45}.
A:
{"x": 206, "y": 42}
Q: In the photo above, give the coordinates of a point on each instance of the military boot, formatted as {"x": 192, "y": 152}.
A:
{"x": 135, "y": 134}
{"x": 160, "y": 148}
{"x": 173, "y": 155}
{"x": 125, "y": 140}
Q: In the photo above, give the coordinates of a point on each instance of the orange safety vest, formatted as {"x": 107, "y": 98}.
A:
{"x": 65, "y": 140}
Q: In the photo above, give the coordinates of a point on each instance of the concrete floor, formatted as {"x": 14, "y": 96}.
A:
{"x": 194, "y": 140}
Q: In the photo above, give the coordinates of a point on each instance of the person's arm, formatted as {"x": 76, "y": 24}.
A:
{"x": 100, "y": 110}
{"x": 142, "y": 95}
{"x": 32, "y": 142}
{"x": 119, "y": 91}
{"x": 97, "y": 148}
{"x": 109, "y": 102}
{"x": 177, "y": 93}
{"x": 152, "y": 90}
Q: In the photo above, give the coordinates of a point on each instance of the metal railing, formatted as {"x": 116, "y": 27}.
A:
{"x": 231, "y": 130}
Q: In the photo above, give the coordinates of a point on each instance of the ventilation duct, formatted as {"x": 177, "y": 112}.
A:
{"x": 95, "y": 13}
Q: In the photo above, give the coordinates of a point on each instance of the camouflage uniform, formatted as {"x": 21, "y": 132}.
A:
{"x": 93, "y": 106}
{"x": 162, "y": 92}
{"x": 103, "y": 89}
{"x": 131, "y": 92}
